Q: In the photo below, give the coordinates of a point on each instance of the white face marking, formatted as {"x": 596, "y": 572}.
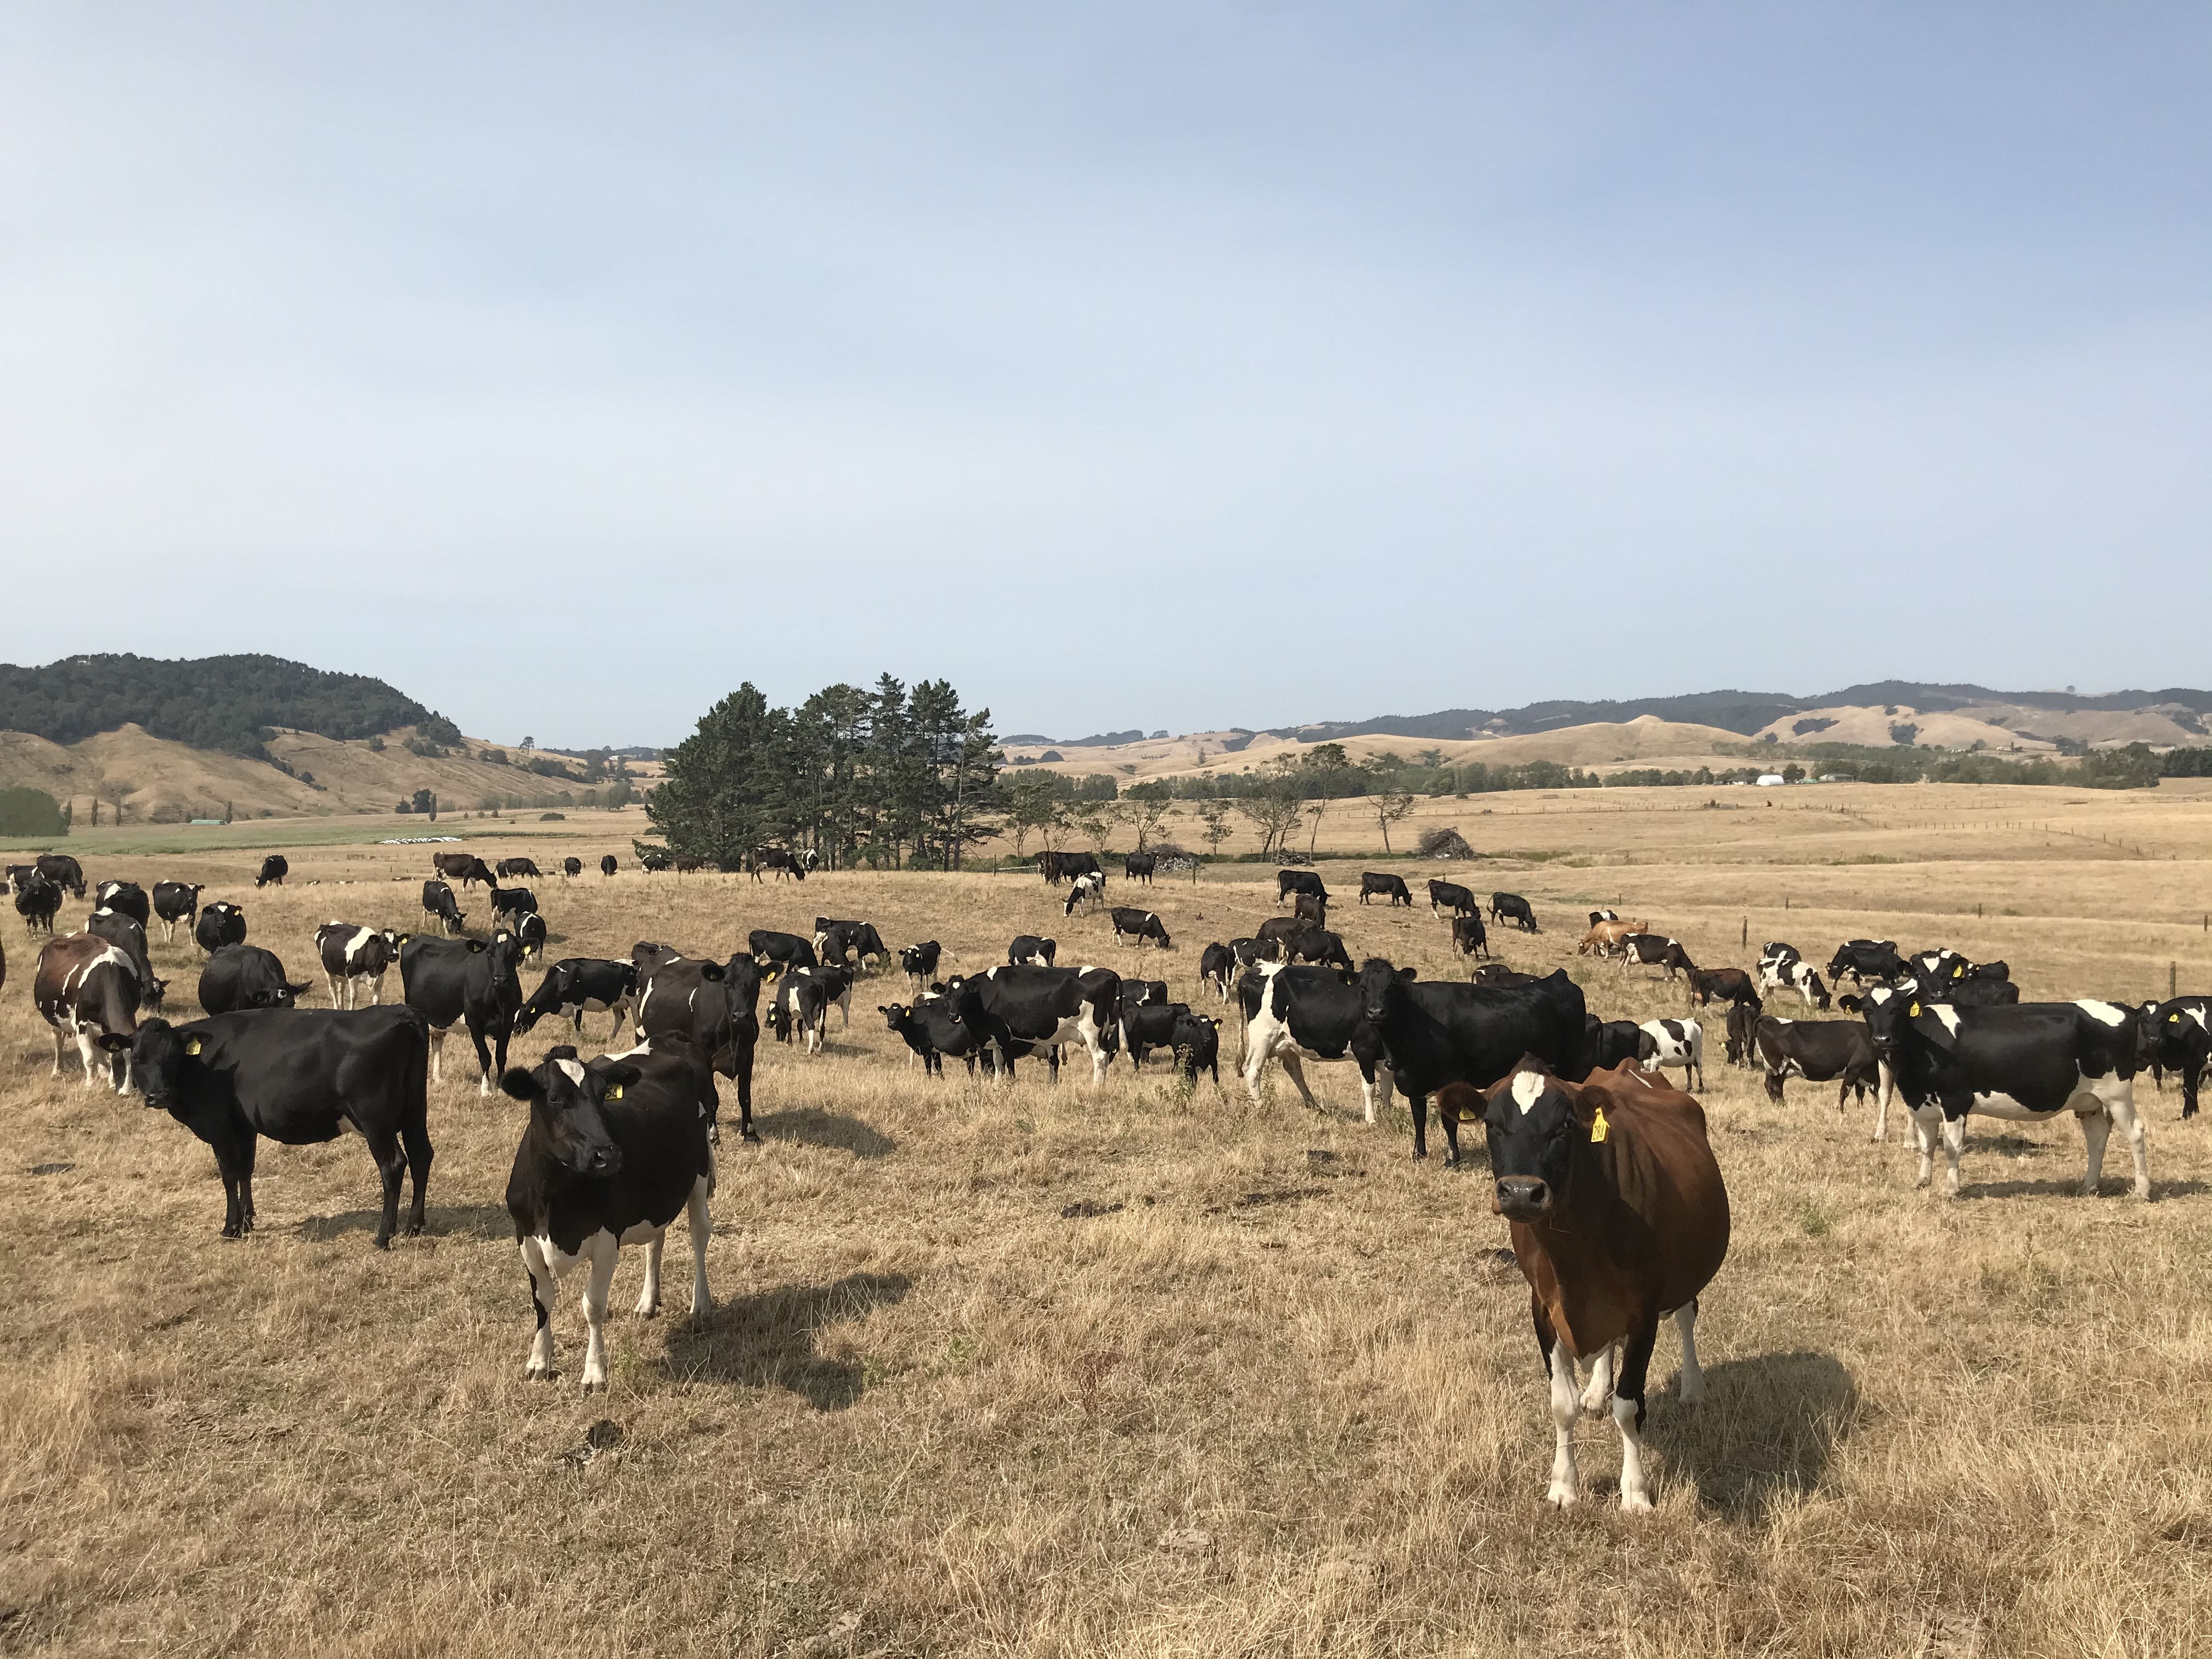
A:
{"x": 2103, "y": 1011}
{"x": 575, "y": 1071}
{"x": 1945, "y": 1012}
{"x": 1527, "y": 1090}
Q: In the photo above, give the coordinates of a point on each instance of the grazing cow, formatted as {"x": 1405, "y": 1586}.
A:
{"x": 840, "y": 942}
{"x": 1674, "y": 1042}
{"x": 2176, "y": 1036}
{"x": 175, "y": 902}
{"x": 530, "y": 933}
{"x": 715, "y": 1004}
{"x": 1028, "y": 950}
{"x": 455, "y": 979}
{"x": 1597, "y": 916}
{"x": 1731, "y": 985}
{"x": 1611, "y": 1042}
{"x": 1863, "y": 960}
{"x": 1046, "y": 1008}
{"x": 1743, "y": 1034}
{"x": 786, "y": 951}
{"x": 1317, "y": 945}
{"x": 509, "y": 904}
{"x": 300, "y": 1078}
{"x": 1469, "y": 937}
{"x": 274, "y": 869}
{"x": 1248, "y": 951}
{"x": 2026, "y": 1064}
{"x": 351, "y": 954}
{"x": 576, "y": 986}
{"x": 652, "y": 863}
{"x": 1137, "y": 992}
{"x": 1835, "y": 1051}
{"x": 438, "y": 900}
{"x": 463, "y": 867}
{"x": 1511, "y": 906}
{"x": 1139, "y": 867}
{"x": 1288, "y": 882}
{"x": 1292, "y": 1015}
{"x": 1450, "y": 896}
{"x": 1217, "y": 967}
{"x": 511, "y": 867}
{"x": 87, "y": 990}
{"x": 1798, "y": 975}
{"x": 219, "y": 925}
{"x": 1496, "y": 973}
{"x": 1066, "y": 867}
{"x": 38, "y": 901}
{"x": 127, "y": 897}
{"x": 686, "y": 863}
{"x": 608, "y": 864}
{"x": 919, "y": 962}
{"x": 1604, "y": 938}
{"x": 1774, "y": 960}
{"x": 1139, "y": 925}
{"x": 1437, "y": 1032}
{"x": 126, "y": 935}
{"x": 63, "y": 871}
{"x": 571, "y": 868}
{"x": 615, "y": 1150}
{"x": 1310, "y": 907}
{"x": 1273, "y": 931}
{"x": 1619, "y": 1219}
{"x": 1090, "y": 887}
{"x": 772, "y": 858}
{"x": 245, "y": 977}
{"x": 1392, "y": 888}
{"x": 1649, "y": 950}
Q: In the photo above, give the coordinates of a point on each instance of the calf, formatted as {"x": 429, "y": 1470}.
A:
{"x": 1620, "y": 1219}
{"x": 786, "y": 951}
{"x": 300, "y": 1078}
{"x": 1604, "y": 938}
{"x": 175, "y": 902}
{"x": 1743, "y": 1034}
{"x": 1511, "y": 906}
{"x": 1139, "y": 867}
{"x": 1469, "y": 937}
{"x": 274, "y": 869}
{"x": 126, "y": 897}
{"x": 1835, "y": 1051}
{"x": 2026, "y": 1064}
{"x": 576, "y": 986}
{"x": 1391, "y": 888}
{"x": 1046, "y": 1008}
{"x": 919, "y": 962}
{"x": 1450, "y": 896}
{"x": 125, "y": 934}
{"x": 87, "y": 990}
{"x": 1649, "y": 951}
{"x": 350, "y": 954}
{"x": 1288, "y": 882}
{"x": 1139, "y": 925}
{"x": 1028, "y": 950}
{"x": 2176, "y": 1036}
{"x": 571, "y": 868}
{"x": 1196, "y": 1040}
{"x": 1088, "y": 887}
{"x": 1309, "y": 906}
{"x": 219, "y": 925}
{"x": 715, "y": 1004}
{"x": 38, "y": 901}
{"x": 438, "y": 900}
{"x": 1674, "y": 1042}
{"x": 245, "y": 977}
{"x": 1217, "y": 967}
{"x": 450, "y": 980}
{"x": 615, "y": 1150}
{"x": 801, "y": 1000}
{"x": 1732, "y": 985}
{"x": 1863, "y": 960}
{"x": 1295, "y": 1014}
{"x": 63, "y": 871}
{"x": 1150, "y": 1026}
{"x": 508, "y": 868}
{"x": 608, "y": 863}
{"x": 511, "y": 905}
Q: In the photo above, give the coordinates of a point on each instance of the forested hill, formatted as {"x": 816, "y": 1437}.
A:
{"x": 208, "y": 702}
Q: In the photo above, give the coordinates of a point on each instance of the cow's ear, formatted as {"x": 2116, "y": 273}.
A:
{"x": 615, "y": 1080}
{"x": 708, "y": 970}
{"x": 402, "y": 939}
{"x": 113, "y": 1041}
{"x": 1409, "y": 974}
{"x": 519, "y": 1085}
{"x": 477, "y": 945}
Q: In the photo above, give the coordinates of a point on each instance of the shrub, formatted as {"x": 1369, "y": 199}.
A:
{"x": 1444, "y": 842}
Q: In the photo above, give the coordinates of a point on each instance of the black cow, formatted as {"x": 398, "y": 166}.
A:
{"x": 1317, "y": 945}
{"x": 786, "y": 951}
{"x": 2027, "y": 1063}
{"x": 1496, "y": 973}
{"x": 840, "y": 942}
{"x": 438, "y": 900}
{"x": 1835, "y": 1051}
{"x": 2176, "y": 1036}
{"x": 38, "y": 901}
{"x": 1288, "y": 882}
{"x": 87, "y": 990}
{"x": 1139, "y": 867}
{"x": 219, "y": 925}
{"x": 1310, "y": 907}
{"x": 510, "y": 904}
{"x": 298, "y": 1078}
{"x": 932, "y": 1029}
{"x": 1217, "y": 967}
{"x": 1137, "y": 992}
{"x": 1511, "y": 906}
{"x": 1046, "y": 1008}
{"x": 1863, "y": 960}
{"x": 510, "y": 867}
{"x": 1610, "y": 1042}
{"x": 274, "y": 869}
{"x": 652, "y": 863}
{"x": 615, "y": 1150}
{"x": 571, "y": 868}
{"x": 1149, "y": 1027}
{"x": 1449, "y": 898}
{"x": 175, "y": 902}
{"x": 1469, "y": 937}
{"x": 576, "y": 986}
{"x": 126, "y": 935}
{"x": 1392, "y": 888}
{"x": 125, "y": 896}
{"x": 1732, "y": 985}
{"x": 1743, "y": 1034}
{"x": 351, "y": 954}
{"x": 465, "y": 979}
{"x": 1249, "y": 952}
{"x": 463, "y": 867}
{"x": 1437, "y": 1032}
{"x": 1028, "y": 950}
{"x": 608, "y": 863}
{"x": 1196, "y": 1040}
{"x": 63, "y": 871}
{"x": 716, "y": 1004}
{"x": 1065, "y": 866}
{"x": 1295, "y": 1014}
{"x": 1272, "y": 932}
{"x": 1139, "y": 925}
{"x": 245, "y": 977}
{"x": 919, "y": 962}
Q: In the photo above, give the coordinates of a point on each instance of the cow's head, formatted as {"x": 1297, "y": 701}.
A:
{"x": 1534, "y": 1123}
{"x": 1888, "y": 1012}
{"x": 1379, "y": 982}
{"x": 565, "y": 1099}
{"x": 506, "y": 952}
{"x": 159, "y": 1053}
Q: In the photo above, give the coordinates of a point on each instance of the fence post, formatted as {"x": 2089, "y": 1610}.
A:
{"x": 2171, "y": 969}
{"x": 1747, "y": 932}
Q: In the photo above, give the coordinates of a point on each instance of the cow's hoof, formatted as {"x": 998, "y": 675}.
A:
{"x": 750, "y": 1133}
{"x": 232, "y": 1232}
{"x": 595, "y": 1385}
{"x": 1560, "y": 1498}
{"x": 535, "y": 1372}
{"x": 1635, "y": 1503}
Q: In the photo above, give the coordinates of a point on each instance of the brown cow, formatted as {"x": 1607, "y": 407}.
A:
{"x": 1731, "y": 985}
{"x": 1604, "y": 938}
{"x": 1310, "y": 907}
{"x": 1620, "y": 1219}
{"x": 463, "y": 867}
{"x": 87, "y": 989}
{"x": 1469, "y": 938}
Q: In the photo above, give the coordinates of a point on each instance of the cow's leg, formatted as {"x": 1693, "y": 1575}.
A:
{"x": 1954, "y": 1145}
{"x": 1451, "y": 1126}
{"x": 390, "y": 1165}
{"x": 248, "y": 1146}
{"x": 88, "y": 1051}
{"x": 1294, "y": 1068}
{"x": 1628, "y": 1416}
{"x": 544, "y": 1288}
{"x": 702, "y": 1230}
{"x": 414, "y": 1137}
{"x": 337, "y": 997}
{"x": 1927, "y": 1123}
{"x": 61, "y": 1046}
{"x": 437, "y": 1051}
{"x": 1600, "y": 1383}
{"x": 2121, "y": 1103}
{"x": 483, "y": 1057}
{"x": 601, "y": 1250}
{"x": 1691, "y": 1386}
{"x": 1887, "y": 1081}
{"x": 649, "y": 1299}
{"x": 1566, "y": 1408}
{"x": 1419, "y": 1106}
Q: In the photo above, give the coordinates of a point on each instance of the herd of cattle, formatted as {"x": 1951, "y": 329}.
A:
{"x": 1586, "y": 1139}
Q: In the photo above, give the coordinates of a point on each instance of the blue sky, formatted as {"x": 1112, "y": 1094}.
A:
{"x": 1160, "y": 366}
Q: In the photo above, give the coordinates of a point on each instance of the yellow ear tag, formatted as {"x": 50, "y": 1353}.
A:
{"x": 1598, "y": 1127}
{"x": 2174, "y": 1019}
{"x": 191, "y": 1045}
{"x": 1913, "y": 1012}
{"x": 614, "y": 1092}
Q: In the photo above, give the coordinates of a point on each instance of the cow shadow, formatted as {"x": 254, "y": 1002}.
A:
{"x": 478, "y": 1221}
{"x": 768, "y": 1340}
{"x": 2114, "y": 1185}
{"x": 811, "y": 1126}
{"x": 1766, "y": 1430}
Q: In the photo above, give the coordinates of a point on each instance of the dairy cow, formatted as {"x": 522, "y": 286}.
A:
{"x": 219, "y": 924}
{"x": 1390, "y": 888}
{"x": 350, "y": 955}
{"x": 453, "y": 980}
{"x": 245, "y": 977}
{"x": 175, "y": 902}
{"x": 87, "y": 990}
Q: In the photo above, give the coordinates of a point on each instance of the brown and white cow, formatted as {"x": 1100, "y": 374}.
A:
{"x": 1604, "y": 938}
{"x": 87, "y": 990}
{"x": 1620, "y": 1219}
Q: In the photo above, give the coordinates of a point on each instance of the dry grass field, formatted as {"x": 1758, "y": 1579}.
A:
{"x": 1029, "y": 1370}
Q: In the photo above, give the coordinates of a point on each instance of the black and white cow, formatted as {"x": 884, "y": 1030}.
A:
{"x": 351, "y": 954}
{"x": 449, "y": 981}
{"x": 1139, "y": 867}
{"x": 1217, "y": 968}
{"x": 608, "y": 864}
{"x": 1028, "y": 950}
{"x": 1288, "y": 882}
{"x": 510, "y": 867}
{"x": 2027, "y": 1063}
{"x": 2176, "y": 1036}
{"x": 1650, "y": 951}
{"x": 1774, "y": 959}
{"x": 615, "y": 1149}
{"x": 1139, "y": 925}
{"x": 530, "y": 933}
{"x": 175, "y": 902}
{"x": 123, "y": 933}
{"x": 38, "y": 901}
{"x": 1597, "y": 916}
{"x": 245, "y": 977}
{"x": 778, "y": 859}
{"x": 1048, "y": 1008}
{"x": 219, "y": 924}
{"x": 571, "y": 868}
{"x": 1674, "y": 1042}
{"x": 716, "y": 1004}
{"x": 919, "y": 962}
{"x": 1469, "y": 937}
{"x": 932, "y": 1029}
{"x": 1088, "y": 887}
{"x": 786, "y": 951}
{"x": 87, "y": 990}
{"x": 1391, "y": 888}
{"x": 799, "y": 1002}
{"x": 844, "y": 942}
{"x": 299, "y": 1078}
{"x": 1294, "y": 1014}
{"x": 127, "y": 897}
{"x": 1798, "y": 975}
{"x": 274, "y": 869}
{"x": 1511, "y": 906}
{"x": 1449, "y": 898}
{"x": 438, "y": 900}
{"x": 511, "y": 905}
{"x": 1866, "y": 960}
{"x": 576, "y": 986}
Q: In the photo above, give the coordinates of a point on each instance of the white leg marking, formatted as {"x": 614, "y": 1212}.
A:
{"x": 648, "y": 1300}
{"x": 1635, "y": 1492}
{"x": 1600, "y": 1383}
{"x": 1566, "y": 1407}
{"x": 601, "y": 1250}
{"x": 703, "y": 1228}
{"x": 1954, "y": 1143}
{"x": 544, "y": 1287}
{"x": 1927, "y": 1121}
{"x": 1692, "y": 1384}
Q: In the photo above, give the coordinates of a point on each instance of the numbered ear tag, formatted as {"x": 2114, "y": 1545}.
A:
{"x": 1913, "y": 1012}
{"x": 191, "y": 1045}
{"x": 1598, "y": 1127}
{"x": 614, "y": 1091}
{"x": 2174, "y": 1019}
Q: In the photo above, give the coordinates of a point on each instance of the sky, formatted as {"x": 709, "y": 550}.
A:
{"x": 1158, "y": 366}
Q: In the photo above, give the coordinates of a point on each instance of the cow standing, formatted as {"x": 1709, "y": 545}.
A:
{"x": 274, "y": 869}
{"x": 438, "y": 900}
{"x": 87, "y": 990}
{"x": 1390, "y": 888}
{"x": 245, "y": 977}
{"x": 351, "y": 954}
{"x": 219, "y": 925}
{"x": 449, "y": 981}
{"x": 175, "y": 902}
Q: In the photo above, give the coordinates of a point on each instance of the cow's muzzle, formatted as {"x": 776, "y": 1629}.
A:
{"x": 1523, "y": 1198}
